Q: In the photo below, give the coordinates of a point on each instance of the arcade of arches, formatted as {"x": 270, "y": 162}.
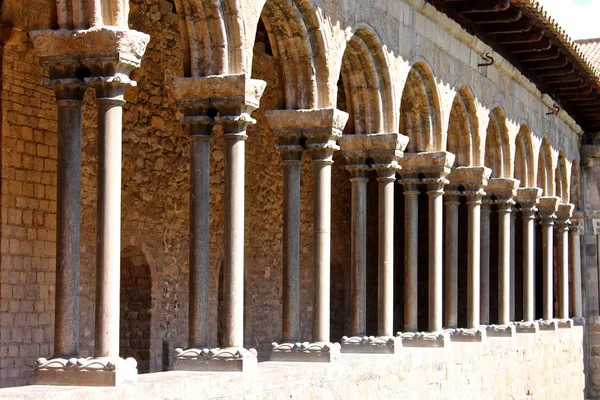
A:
{"x": 279, "y": 180}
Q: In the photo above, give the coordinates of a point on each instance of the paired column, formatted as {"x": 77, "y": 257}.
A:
{"x": 319, "y": 129}
{"x": 503, "y": 191}
{"x": 358, "y": 269}
{"x": 564, "y": 214}
{"x": 204, "y": 108}
{"x": 470, "y": 182}
{"x": 528, "y": 199}
{"x": 547, "y": 212}
{"x": 575, "y": 233}
{"x": 69, "y": 101}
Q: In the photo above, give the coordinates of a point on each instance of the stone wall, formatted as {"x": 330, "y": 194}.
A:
{"x": 544, "y": 366}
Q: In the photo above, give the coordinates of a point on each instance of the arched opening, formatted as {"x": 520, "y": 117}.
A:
{"x": 545, "y": 173}
{"x": 497, "y": 156}
{"x": 524, "y": 157}
{"x": 561, "y": 180}
{"x": 574, "y": 189}
{"x": 136, "y": 308}
{"x": 420, "y": 111}
{"x": 463, "y": 129}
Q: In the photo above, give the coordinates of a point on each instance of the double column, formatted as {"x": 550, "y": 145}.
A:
{"x": 548, "y": 205}
{"x": 317, "y": 130}
{"x": 563, "y": 221}
{"x": 207, "y": 102}
{"x": 575, "y": 232}
{"x": 470, "y": 182}
{"x": 528, "y": 199}
{"x": 104, "y": 64}
{"x": 378, "y": 152}
{"x": 503, "y": 191}
{"x": 431, "y": 169}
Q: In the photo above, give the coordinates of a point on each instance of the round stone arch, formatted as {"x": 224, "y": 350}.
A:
{"x": 463, "y": 129}
{"x": 420, "y": 110}
{"x": 545, "y": 172}
{"x": 561, "y": 180}
{"x": 136, "y": 307}
{"x": 497, "y": 144}
{"x": 574, "y": 188}
{"x": 524, "y": 163}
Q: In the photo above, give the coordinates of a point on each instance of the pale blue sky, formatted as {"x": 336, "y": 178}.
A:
{"x": 580, "y": 18}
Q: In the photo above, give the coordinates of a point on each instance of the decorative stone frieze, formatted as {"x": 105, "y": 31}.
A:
{"x": 88, "y": 371}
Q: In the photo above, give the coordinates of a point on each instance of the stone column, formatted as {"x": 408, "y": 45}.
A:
{"x": 528, "y": 198}
{"x": 290, "y": 145}
{"x": 451, "y": 284}
{"x": 504, "y": 191}
{"x": 564, "y": 214}
{"x": 470, "y": 181}
{"x": 411, "y": 255}
{"x": 381, "y": 152}
{"x": 322, "y": 128}
{"x": 104, "y": 60}
{"x": 513, "y": 221}
{"x": 575, "y": 233}
{"x": 431, "y": 169}
{"x": 358, "y": 271}
{"x": 484, "y": 279}
{"x": 69, "y": 101}
{"x": 209, "y": 101}
{"x": 547, "y": 213}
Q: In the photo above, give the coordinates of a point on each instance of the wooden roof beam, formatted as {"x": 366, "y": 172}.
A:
{"x": 562, "y": 79}
{"x": 482, "y": 6}
{"x": 551, "y": 54}
{"x": 569, "y": 69}
{"x": 520, "y": 26}
{"x": 542, "y": 45}
{"x": 511, "y": 15}
{"x": 549, "y": 64}
{"x": 531, "y": 37}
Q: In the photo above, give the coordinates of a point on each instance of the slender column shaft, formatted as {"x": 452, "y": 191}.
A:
{"x": 199, "y": 236}
{"x": 474, "y": 246}
{"x": 484, "y": 294}
{"x": 68, "y": 221}
{"x": 528, "y": 264}
{"x": 435, "y": 192}
{"x": 503, "y": 263}
{"x": 322, "y": 243}
{"x": 576, "y": 270}
{"x": 451, "y": 292}
{"x": 563, "y": 269}
{"x": 411, "y": 260}
{"x": 291, "y": 250}
{"x": 513, "y": 218}
{"x": 233, "y": 266}
{"x": 548, "y": 267}
{"x": 110, "y": 116}
{"x": 385, "y": 283}
{"x": 358, "y": 272}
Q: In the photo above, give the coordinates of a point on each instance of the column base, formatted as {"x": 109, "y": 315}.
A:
{"x": 578, "y": 321}
{"x": 548, "y": 324}
{"x": 464, "y": 335}
{"x": 232, "y": 359}
{"x": 500, "y": 330}
{"x": 85, "y": 371}
{"x": 527, "y": 327}
{"x": 566, "y": 323}
{"x": 305, "y": 352}
{"x": 371, "y": 344}
{"x": 424, "y": 339}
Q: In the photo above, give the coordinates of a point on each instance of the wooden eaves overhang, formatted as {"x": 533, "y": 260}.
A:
{"x": 523, "y": 33}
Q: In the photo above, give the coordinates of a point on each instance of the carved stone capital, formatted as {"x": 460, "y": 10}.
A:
{"x": 576, "y": 223}
{"x": 380, "y": 151}
{"x": 528, "y": 198}
{"x": 420, "y": 167}
{"x": 548, "y": 205}
{"x": 307, "y": 352}
{"x": 217, "y": 99}
{"x": 503, "y": 191}
{"x": 105, "y": 52}
{"x": 469, "y": 180}
{"x": 563, "y": 215}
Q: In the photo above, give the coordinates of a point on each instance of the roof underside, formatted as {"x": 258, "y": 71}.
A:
{"x": 524, "y": 34}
